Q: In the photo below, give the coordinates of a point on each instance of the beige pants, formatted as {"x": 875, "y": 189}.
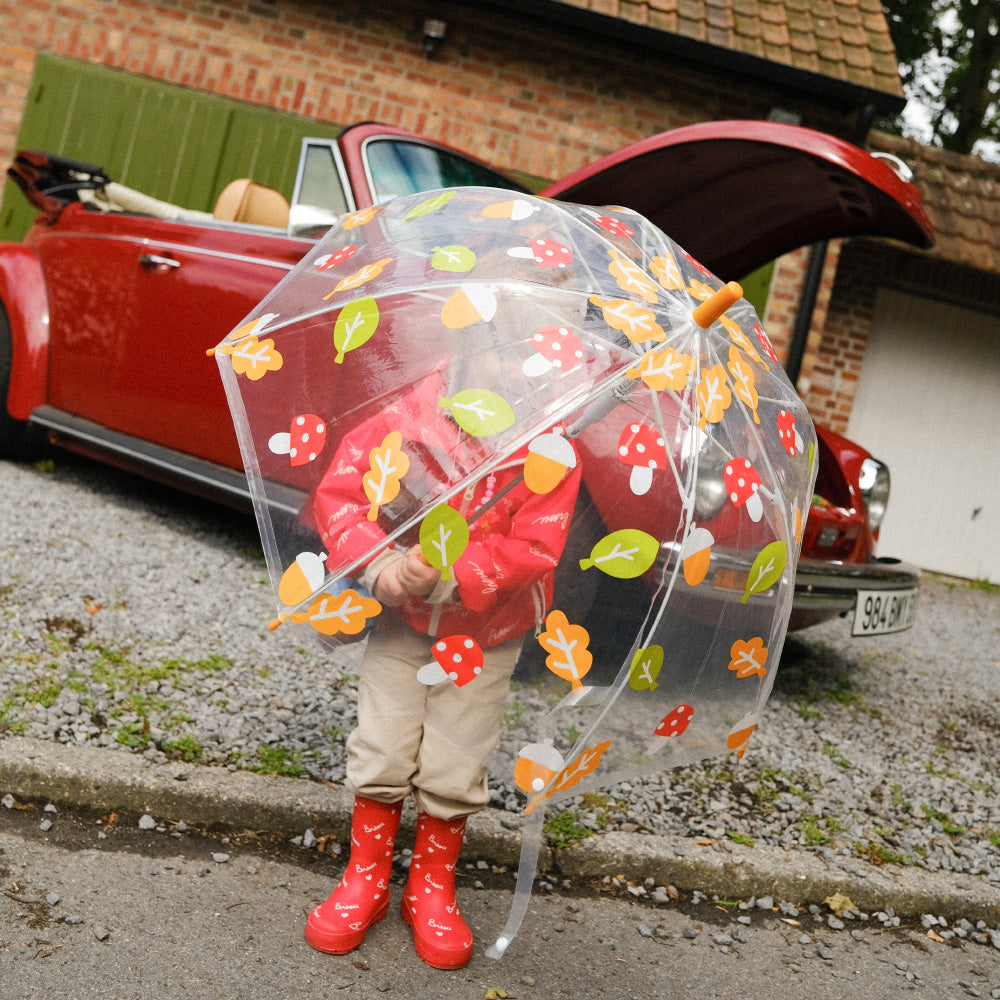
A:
{"x": 431, "y": 741}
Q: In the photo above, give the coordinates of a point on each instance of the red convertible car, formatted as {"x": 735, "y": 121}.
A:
{"x": 109, "y": 304}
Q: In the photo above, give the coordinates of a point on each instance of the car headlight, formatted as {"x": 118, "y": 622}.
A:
{"x": 709, "y": 491}
{"x": 874, "y": 483}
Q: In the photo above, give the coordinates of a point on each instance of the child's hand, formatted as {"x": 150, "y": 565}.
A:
{"x": 410, "y": 575}
{"x": 416, "y": 574}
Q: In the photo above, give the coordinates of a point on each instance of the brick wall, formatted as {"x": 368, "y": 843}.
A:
{"x": 523, "y": 95}
{"x": 783, "y": 307}
{"x": 837, "y": 357}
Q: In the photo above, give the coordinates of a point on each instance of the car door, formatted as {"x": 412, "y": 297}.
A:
{"x": 135, "y": 304}
{"x": 190, "y": 286}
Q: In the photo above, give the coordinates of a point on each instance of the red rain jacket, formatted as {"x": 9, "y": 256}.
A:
{"x": 503, "y": 580}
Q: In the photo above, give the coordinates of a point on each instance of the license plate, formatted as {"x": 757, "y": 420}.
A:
{"x": 879, "y": 612}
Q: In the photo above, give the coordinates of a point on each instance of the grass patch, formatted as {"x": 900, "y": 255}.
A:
{"x": 899, "y": 799}
{"x": 880, "y": 854}
{"x": 831, "y": 751}
{"x": 561, "y": 830}
{"x": 814, "y": 834}
{"x": 134, "y": 735}
{"x": 277, "y": 761}
{"x": 133, "y": 693}
{"x": 952, "y": 828}
{"x": 773, "y": 782}
{"x": 564, "y": 828}
{"x": 185, "y": 748}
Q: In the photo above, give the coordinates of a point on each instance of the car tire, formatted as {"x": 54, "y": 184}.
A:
{"x": 17, "y": 438}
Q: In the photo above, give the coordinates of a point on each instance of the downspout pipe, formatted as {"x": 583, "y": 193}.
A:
{"x": 867, "y": 114}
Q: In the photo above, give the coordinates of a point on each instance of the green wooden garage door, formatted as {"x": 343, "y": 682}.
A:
{"x": 179, "y": 145}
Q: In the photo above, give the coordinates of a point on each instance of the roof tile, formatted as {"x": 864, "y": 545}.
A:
{"x": 962, "y": 198}
{"x": 858, "y": 26}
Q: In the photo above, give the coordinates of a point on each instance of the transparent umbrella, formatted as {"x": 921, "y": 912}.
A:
{"x": 580, "y": 428}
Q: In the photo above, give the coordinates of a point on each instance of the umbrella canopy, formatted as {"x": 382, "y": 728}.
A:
{"x": 442, "y": 357}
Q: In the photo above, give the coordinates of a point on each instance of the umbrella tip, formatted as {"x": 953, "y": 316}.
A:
{"x": 711, "y": 309}
{"x": 210, "y": 352}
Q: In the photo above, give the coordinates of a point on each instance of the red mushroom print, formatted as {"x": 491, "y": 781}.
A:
{"x": 742, "y": 483}
{"x": 457, "y": 658}
{"x": 545, "y": 253}
{"x": 765, "y": 342}
{"x": 555, "y": 347}
{"x": 788, "y": 433}
{"x": 328, "y": 260}
{"x": 675, "y": 722}
{"x": 303, "y": 442}
{"x": 642, "y": 446}
{"x": 613, "y": 225}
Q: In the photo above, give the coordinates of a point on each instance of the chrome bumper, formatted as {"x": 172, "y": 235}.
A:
{"x": 827, "y": 589}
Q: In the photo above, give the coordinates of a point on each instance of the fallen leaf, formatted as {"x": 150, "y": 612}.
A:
{"x": 495, "y": 993}
{"x": 934, "y": 936}
{"x": 790, "y": 922}
{"x": 705, "y": 842}
{"x": 839, "y": 903}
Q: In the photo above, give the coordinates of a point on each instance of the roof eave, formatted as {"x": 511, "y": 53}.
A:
{"x": 692, "y": 50}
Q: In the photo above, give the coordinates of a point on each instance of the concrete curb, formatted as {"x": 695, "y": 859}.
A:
{"x": 215, "y": 798}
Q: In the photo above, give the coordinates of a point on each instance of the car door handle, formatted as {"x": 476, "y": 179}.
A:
{"x": 153, "y": 261}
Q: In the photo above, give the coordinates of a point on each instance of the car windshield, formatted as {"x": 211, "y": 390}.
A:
{"x": 401, "y": 168}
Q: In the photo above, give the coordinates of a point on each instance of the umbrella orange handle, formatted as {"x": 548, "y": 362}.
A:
{"x": 711, "y": 309}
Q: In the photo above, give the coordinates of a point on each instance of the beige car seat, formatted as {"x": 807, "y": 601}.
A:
{"x": 245, "y": 200}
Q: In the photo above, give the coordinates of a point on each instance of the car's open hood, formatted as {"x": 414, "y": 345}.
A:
{"x": 737, "y": 194}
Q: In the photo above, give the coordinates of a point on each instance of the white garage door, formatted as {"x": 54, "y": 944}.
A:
{"x": 928, "y": 404}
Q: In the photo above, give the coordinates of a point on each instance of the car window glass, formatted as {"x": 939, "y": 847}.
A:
{"x": 400, "y": 168}
{"x": 321, "y": 185}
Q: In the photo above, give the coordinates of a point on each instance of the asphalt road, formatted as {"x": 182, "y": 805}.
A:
{"x": 137, "y": 914}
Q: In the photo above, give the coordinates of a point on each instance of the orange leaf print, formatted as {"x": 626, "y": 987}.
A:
{"x": 739, "y": 739}
{"x": 743, "y": 381}
{"x": 346, "y": 612}
{"x": 359, "y": 218}
{"x": 740, "y": 339}
{"x": 569, "y": 656}
{"x": 255, "y": 358}
{"x": 747, "y": 658}
{"x": 713, "y": 395}
{"x": 573, "y": 773}
{"x": 389, "y": 463}
{"x": 636, "y": 322}
{"x": 367, "y": 273}
{"x": 666, "y": 272}
{"x": 699, "y": 290}
{"x": 631, "y": 277}
{"x": 666, "y": 369}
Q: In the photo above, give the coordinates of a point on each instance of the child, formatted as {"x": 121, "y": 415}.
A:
{"x": 431, "y": 742}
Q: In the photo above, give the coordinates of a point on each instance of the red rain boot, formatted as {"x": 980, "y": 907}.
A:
{"x": 362, "y": 898}
{"x": 440, "y": 935}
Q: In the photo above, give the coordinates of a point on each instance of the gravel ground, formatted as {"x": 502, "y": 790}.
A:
{"x": 134, "y": 621}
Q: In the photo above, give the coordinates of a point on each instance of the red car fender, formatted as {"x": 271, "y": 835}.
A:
{"x": 22, "y": 291}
